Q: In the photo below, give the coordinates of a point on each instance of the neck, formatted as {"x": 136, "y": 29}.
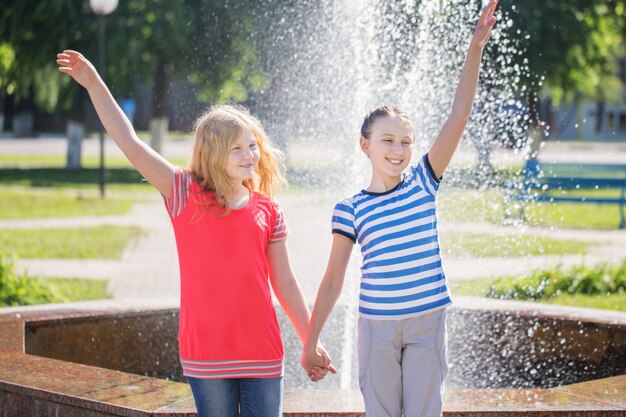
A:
{"x": 241, "y": 197}
{"x": 383, "y": 183}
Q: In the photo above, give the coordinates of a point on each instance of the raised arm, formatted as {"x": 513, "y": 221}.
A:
{"x": 448, "y": 138}
{"x": 154, "y": 168}
{"x": 327, "y": 296}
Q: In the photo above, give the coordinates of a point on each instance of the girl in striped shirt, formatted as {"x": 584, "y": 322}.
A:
{"x": 230, "y": 237}
{"x": 403, "y": 292}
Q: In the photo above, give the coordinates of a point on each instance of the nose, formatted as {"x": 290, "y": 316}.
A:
{"x": 397, "y": 148}
{"x": 248, "y": 154}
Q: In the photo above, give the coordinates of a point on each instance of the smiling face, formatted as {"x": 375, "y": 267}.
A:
{"x": 389, "y": 147}
{"x": 243, "y": 157}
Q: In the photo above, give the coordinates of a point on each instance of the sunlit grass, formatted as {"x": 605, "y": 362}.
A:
{"x": 102, "y": 242}
{"x": 469, "y": 206}
{"x": 59, "y": 161}
{"x": 509, "y": 245}
{"x": 33, "y": 203}
{"x": 65, "y": 290}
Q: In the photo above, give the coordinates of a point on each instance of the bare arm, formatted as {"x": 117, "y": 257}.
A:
{"x": 154, "y": 168}
{"x": 327, "y": 296}
{"x": 291, "y": 298}
{"x": 447, "y": 140}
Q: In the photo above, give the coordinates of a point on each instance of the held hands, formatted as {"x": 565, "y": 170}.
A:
{"x": 484, "y": 25}
{"x": 316, "y": 362}
{"x": 78, "y": 67}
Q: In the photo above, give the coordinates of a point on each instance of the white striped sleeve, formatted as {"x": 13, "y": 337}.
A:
{"x": 425, "y": 175}
{"x": 343, "y": 220}
{"x": 180, "y": 189}
{"x": 279, "y": 231}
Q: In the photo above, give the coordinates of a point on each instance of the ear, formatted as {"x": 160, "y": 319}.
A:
{"x": 365, "y": 145}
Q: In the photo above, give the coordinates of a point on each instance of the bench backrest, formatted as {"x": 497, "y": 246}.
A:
{"x": 575, "y": 175}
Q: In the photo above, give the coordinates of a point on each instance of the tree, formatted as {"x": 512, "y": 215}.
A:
{"x": 36, "y": 31}
{"x": 569, "y": 49}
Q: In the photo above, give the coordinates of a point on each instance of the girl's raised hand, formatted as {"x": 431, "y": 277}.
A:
{"x": 78, "y": 67}
{"x": 485, "y": 23}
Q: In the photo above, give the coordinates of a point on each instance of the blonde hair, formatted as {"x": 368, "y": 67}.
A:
{"x": 215, "y": 132}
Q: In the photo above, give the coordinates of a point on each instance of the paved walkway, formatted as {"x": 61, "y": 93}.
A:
{"x": 148, "y": 268}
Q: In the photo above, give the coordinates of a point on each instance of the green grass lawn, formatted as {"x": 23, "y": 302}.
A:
{"x": 65, "y": 290}
{"x": 456, "y": 205}
{"x": 607, "y": 302}
{"x": 64, "y": 178}
{"x": 103, "y": 242}
{"x": 574, "y": 215}
{"x": 486, "y": 245}
{"x": 36, "y": 203}
{"x": 58, "y": 161}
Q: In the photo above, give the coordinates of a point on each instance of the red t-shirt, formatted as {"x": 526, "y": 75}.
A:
{"x": 228, "y": 326}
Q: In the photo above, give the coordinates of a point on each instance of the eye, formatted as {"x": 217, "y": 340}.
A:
{"x": 253, "y": 145}
{"x": 236, "y": 148}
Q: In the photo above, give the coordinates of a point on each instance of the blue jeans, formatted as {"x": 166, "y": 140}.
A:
{"x": 245, "y": 397}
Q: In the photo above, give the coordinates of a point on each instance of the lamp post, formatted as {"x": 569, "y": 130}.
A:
{"x": 102, "y": 8}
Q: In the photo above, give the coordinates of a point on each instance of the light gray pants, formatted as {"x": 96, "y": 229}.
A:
{"x": 402, "y": 365}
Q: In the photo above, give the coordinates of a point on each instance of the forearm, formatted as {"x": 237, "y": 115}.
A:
{"x": 292, "y": 300}
{"x": 327, "y": 296}
{"x": 468, "y": 83}
{"x": 113, "y": 119}
{"x": 152, "y": 166}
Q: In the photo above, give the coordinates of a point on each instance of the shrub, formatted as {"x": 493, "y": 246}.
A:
{"x": 19, "y": 289}
{"x": 602, "y": 279}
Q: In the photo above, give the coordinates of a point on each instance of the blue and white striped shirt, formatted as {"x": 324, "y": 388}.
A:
{"x": 401, "y": 275}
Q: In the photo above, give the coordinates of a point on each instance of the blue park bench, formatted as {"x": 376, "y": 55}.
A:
{"x": 554, "y": 181}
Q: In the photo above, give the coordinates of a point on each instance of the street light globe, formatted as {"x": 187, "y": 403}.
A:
{"x": 103, "y": 6}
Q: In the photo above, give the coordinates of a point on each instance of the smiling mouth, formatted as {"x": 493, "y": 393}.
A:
{"x": 394, "y": 161}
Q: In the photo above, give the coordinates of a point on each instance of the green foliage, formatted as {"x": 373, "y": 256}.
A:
{"x": 209, "y": 42}
{"x": 7, "y": 57}
{"x": 36, "y": 31}
{"x": 545, "y": 284}
{"x": 19, "y": 289}
{"x": 569, "y": 47}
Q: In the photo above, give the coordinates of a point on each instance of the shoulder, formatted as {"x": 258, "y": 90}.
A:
{"x": 351, "y": 202}
{"x": 267, "y": 204}
{"x": 264, "y": 200}
{"x": 422, "y": 168}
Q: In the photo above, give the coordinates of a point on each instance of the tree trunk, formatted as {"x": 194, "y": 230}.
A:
{"x": 2, "y": 97}
{"x": 579, "y": 118}
{"x": 535, "y": 136}
{"x": 159, "y": 121}
{"x": 8, "y": 111}
{"x": 75, "y": 131}
{"x": 24, "y": 120}
{"x": 600, "y": 109}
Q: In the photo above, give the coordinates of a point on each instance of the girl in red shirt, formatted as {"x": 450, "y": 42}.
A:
{"x": 230, "y": 237}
